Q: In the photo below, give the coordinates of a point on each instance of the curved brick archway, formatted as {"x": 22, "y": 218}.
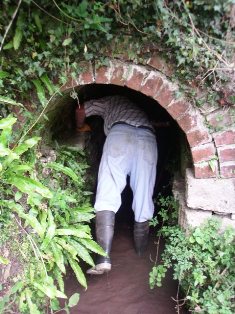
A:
{"x": 207, "y": 192}
{"x": 154, "y": 84}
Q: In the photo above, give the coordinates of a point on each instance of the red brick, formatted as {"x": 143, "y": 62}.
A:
{"x": 155, "y": 61}
{"x": 86, "y": 77}
{"x": 220, "y": 118}
{"x": 198, "y": 137}
{"x": 227, "y": 170}
{"x": 101, "y": 75}
{"x": 69, "y": 84}
{"x": 178, "y": 108}
{"x": 21, "y": 119}
{"x": 160, "y": 64}
{"x": 188, "y": 121}
{"x": 204, "y": 170}
{"x": 226, "y": 153}
{"x": 117, "y": 76}
{"x": 152, "y": 85}
{"x": 136, "y": 79}
{"x": 204, "y": 152}
{"x": 165, "y": 95}
{"x": 224, "y": 138}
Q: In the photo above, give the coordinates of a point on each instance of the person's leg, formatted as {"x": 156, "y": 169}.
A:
{"x": 111, "y": 182}
{"x": 104, "y": 235}
{"x": 142, "y": 181}
{"x": 141, "y": 233}
{"x": 112, "y": 171}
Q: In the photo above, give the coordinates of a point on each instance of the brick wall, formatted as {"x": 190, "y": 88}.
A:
{"x": 213, "y": 154}
{"x": 209, "y": 131}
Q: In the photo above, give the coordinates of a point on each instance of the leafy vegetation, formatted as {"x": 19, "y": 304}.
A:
{"x": 45, "y": 197}
{"x": 48, "y": 40}
{"x": 202, "y": 262}
{"x": 41, "y": 44}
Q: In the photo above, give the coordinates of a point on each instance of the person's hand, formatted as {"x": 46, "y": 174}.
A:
{"x": 84, "y": 128}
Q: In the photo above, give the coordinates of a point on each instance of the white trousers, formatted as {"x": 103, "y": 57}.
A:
{"x": 128, "y": 151}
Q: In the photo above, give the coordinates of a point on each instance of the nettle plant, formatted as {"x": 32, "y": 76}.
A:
{"x": 202, "y": 260}
{"x": 45, "y": 197}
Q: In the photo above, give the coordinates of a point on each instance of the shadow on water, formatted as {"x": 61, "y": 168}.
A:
{"x": 125, "y": 290}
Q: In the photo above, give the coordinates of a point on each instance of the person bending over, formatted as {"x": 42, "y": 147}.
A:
{"x": 131, "y": 150}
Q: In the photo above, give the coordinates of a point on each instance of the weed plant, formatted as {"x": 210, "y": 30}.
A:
{"x": 202, "y": 259}
{"x": 45, "y": 211}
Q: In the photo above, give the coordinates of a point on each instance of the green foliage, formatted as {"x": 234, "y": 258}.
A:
{"x": 53, "y": 210}
{"x": 202, "y": 262}
{"x": 46, "y": 41}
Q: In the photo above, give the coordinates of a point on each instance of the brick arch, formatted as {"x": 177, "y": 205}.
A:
{"x": 156, "y": 85}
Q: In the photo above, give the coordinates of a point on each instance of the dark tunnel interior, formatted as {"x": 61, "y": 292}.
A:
{"x": 168, "y": 138}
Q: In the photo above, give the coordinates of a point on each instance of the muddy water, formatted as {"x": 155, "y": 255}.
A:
{"x": 125, "y": 289}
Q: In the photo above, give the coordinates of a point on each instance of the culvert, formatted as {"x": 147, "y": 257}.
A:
{"x": 205, "y": 185}
{"x": 174, "y": 155}
{"x": 126, "y": 287}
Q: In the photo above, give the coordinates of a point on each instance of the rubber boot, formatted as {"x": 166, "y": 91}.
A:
{"x": 104, "y": 236}
{"x": 141, "y": 232}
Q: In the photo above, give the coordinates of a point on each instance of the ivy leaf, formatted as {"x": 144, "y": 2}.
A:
{"x": 212, "y": 163}
{"x": 4, "y": 74}
{"x": 82, "y": 8}
{"x": 4, "y": 261}
{"x": 67, "y": 41}
{"x": 17, "y": 38}
{"x": 73, "y": 300}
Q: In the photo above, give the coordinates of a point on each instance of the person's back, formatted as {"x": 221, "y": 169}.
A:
{"x": 130, "y": 149}
{"x": 115, "y": 109}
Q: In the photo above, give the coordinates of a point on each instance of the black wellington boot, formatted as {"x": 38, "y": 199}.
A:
{"x": 141, "y": 232}
{"x": 105, "y": 220}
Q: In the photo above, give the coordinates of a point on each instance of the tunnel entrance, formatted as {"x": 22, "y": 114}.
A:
{"x": 169, "y": 136}
{"x": 125, "y": 289}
